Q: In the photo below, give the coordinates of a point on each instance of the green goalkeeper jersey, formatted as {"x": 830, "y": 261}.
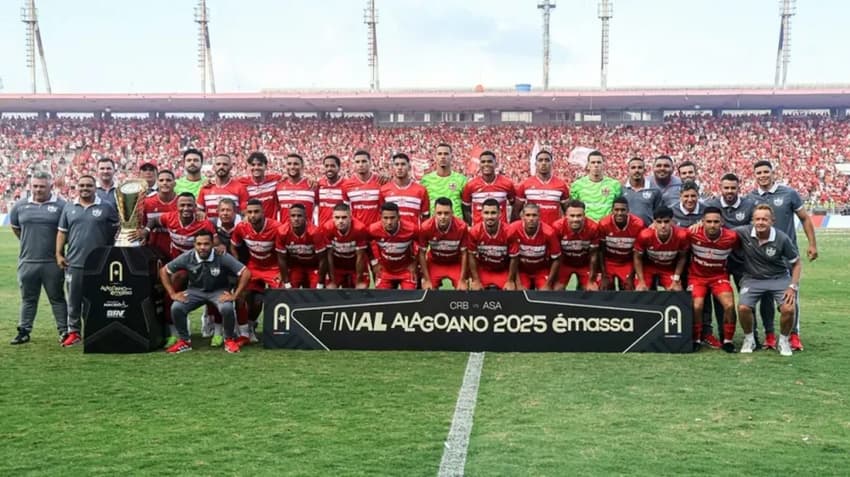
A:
{"x": 450, "y": 186}
{"x": 598, "y": 197}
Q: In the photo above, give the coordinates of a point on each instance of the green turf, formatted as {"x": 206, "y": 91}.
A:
{"x": 388, "y": 413}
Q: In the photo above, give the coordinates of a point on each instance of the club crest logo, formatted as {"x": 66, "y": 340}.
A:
{"x": 740, "y": 215}
{"x": 96, "y": 212}
{"x": 778, "y": 201}
{"x": 646, "y": 194}
{"x": 215, "y": 271}
{"x": 52, "y": 209}
{"x": 605, "y": 191}
{"x": 770, "y": 251}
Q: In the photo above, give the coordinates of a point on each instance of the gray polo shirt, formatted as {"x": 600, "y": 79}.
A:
{"x": 785, "y": 202}
{"x": 107, "y": 195}
{"x": 642, "y": 202}
{"x": 206, "y": 275}
{"x": 37, "y": 224}
{"x": 669, "y": 193}
{"x": 737, "y": 214}
{"x": 769, "y": 260}
{"x": 88, "y": 228}
{"x": 683, "y": 218}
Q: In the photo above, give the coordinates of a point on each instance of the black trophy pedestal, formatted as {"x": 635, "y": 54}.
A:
{"x": 122, "y": 301}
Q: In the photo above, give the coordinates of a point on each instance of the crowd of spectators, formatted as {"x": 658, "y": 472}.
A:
{"x": 804, "y": 148}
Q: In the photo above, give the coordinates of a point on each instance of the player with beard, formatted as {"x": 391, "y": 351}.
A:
{"x": 330, "y": 188}
{"x": 643, "y": 198}
{"x": 663, "y": 179}
{"x": 192, "y": 179}
{"x": 488, "y": 258}
{"x": 442, "y": 248}
{"x": 303, "y": 246}
{"x": 579, "y": 238}
{"x": 487, "y": 185}
{"x": 363, "y": 190}
{"x": 544, "y": 189}
{"x": 347, "y": 241}
{"x": 661, "y": 253}
{"x": 410, "y": 197}
{"x": 161, "y": 202}
{"x": 294, "y": 188}
{"x": 393, "y": 243}
{"x": 224, "y": 186}
{"x": 260, "y": 184}
{"x": 618, "y": 233}
{"x": 534, "y": 250}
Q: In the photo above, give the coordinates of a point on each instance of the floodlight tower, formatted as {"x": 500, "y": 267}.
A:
{"x": 606, "y": 13}
{"x": 546, "y": 6}
{"x": 29, "y": 15}
{"x": 787, "y": 8}
{"x": 370, "y": 18}
{"x": 205, "y": 64}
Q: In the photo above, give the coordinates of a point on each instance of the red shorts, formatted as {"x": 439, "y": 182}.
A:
{"x": 566, "y": 271}
{"x": 533, "y": 280}
{"x": 699, "y": 286}
{"x": 260, "y": 279}
{"x": 623, "y": 271}
{"x": 349, "y": 278}
{"x": 440, "y": 271}
{"x": 490, "y": 278}
{"x": 665, "y": 277}
{"x": 391, "y": 280}
{"x": 302, "y": 277}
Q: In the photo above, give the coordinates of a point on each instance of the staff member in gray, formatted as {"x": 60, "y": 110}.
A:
{"x": 86, "y": 224}
{"x": 662, "y": 178}
{"x": 34, "y": 221}
{"x": 768, "y": 254}
{"x": 643, "y": 198}
{"x": 208, "y": 284}
{"x": 106, "y": 175}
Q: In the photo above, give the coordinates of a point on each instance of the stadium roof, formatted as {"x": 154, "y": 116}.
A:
{"x": 363, "y": 101}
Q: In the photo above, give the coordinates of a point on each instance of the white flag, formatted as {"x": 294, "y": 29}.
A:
{"x": 578, "y": 156}
{"x": 532, "y": 159}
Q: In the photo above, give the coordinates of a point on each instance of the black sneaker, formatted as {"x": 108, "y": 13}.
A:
{"x": 729, "y": 347}
{"x": 697, "y": 346}
{"x": 23, "y": 337}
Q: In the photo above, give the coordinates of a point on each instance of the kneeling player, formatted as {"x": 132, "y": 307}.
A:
{"x": 394, "y": 248}
{"x": 534, "y": 251}
{"x": 304, "y": 249}
{"x": 579, "y": 237}
{"x": 618, "y": 231}
{"x": 347, "y": 241}
{"x": 661, "y": 252}
{"x": 442, "y": 248}
{"x": 487, "y": 252}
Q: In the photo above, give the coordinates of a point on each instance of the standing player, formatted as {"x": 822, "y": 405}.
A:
{"x": 661, "y": 253}
{"x": 410, "y": 197}
{"x": 663, "y": 179}
{"x": 296, "y": 189}
{"x": 84, "y": 225}
{"x": 224, "y": 186}
{"x": 393, "y": 244}
{"x": 487, "y": 252}
{"x": 34, "y": 221}
{"x": 786, "y": 203}
{"x": 261, "y": 185}
{"x": 618, "y": 233}
{"x": 768, "y": 254}
{"x": 163, "y": 201}
{"x": 442, "y": 248}
{"x": 330, "y": 189}
{"x": 192, "y": 180}
{"x": 711, "y": 245}
{"x": 544, "y": 189}
{"x": 443, "y": 181}
{"x": 363, "y": 190}
{"x": 643, "y": 198}
{"x": 596, "y": 190}
{"x": 487, "y": 185}
{"x": 347, "y": 241}
{"x": 534, "y": 251}
{"x": 579, "y": 237}
{"x": 689, "y": 210}
{"x": 303, "y": 246}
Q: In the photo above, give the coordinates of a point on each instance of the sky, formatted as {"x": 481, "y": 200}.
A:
{"x": 123, "y": 46}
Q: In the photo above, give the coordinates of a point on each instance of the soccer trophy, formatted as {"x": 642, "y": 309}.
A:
{"x": 128, "y": 197}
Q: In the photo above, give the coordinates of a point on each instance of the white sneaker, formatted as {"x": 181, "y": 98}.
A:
{"x": 784, "y": 346}
{"x": 207, "y": 326}
{"x": 749, "y": 344}
{"x": 252, "y": 335}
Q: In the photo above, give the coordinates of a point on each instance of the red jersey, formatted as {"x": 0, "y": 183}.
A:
{"x": 303, "y": 250}
{"x": 662, "y": 255}
{"x": 329, "y": 196}
{"x": 211, "y": 194}
{"x": 265, "y": 191}
{"x": 547, "y": 195}
{"x": 152, "y": 208}
{"x": 444, "y": 247}
{"x": 708, "y": 257}
{"x": 395, "y": 252}
{"x": 412, "y": 200}
{"x": 619, "y": 242}
{"x": 289, "y": 193}
{"x": 183, "y": 237}
{"x": 262, "y": 246}
{"x": 534, "y": 251}
{"x": 491, "y": 251}
{"x": 344, "y": 247}
{"x": 477, "y": 190}
{"x": 364, "y": 198}
{"x": 576, "y": 247}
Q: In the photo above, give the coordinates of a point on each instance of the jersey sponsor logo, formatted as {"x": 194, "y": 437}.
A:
{"x": 115, "y": 313}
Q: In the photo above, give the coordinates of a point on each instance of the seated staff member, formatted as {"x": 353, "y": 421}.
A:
{"x": 393, "y": 243}
{"x": 442, "y": 248}
{"x": 768, "y": 254}
{"x": 618, "y": 232}
{"x": 208, "y": 283}
{"x": 534, "y": 251}
{"x": 661, "y": 253}
{"x": 347, "y": 240}
{"x": 488, "y": 257}
{"x": 579, "y": 237}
